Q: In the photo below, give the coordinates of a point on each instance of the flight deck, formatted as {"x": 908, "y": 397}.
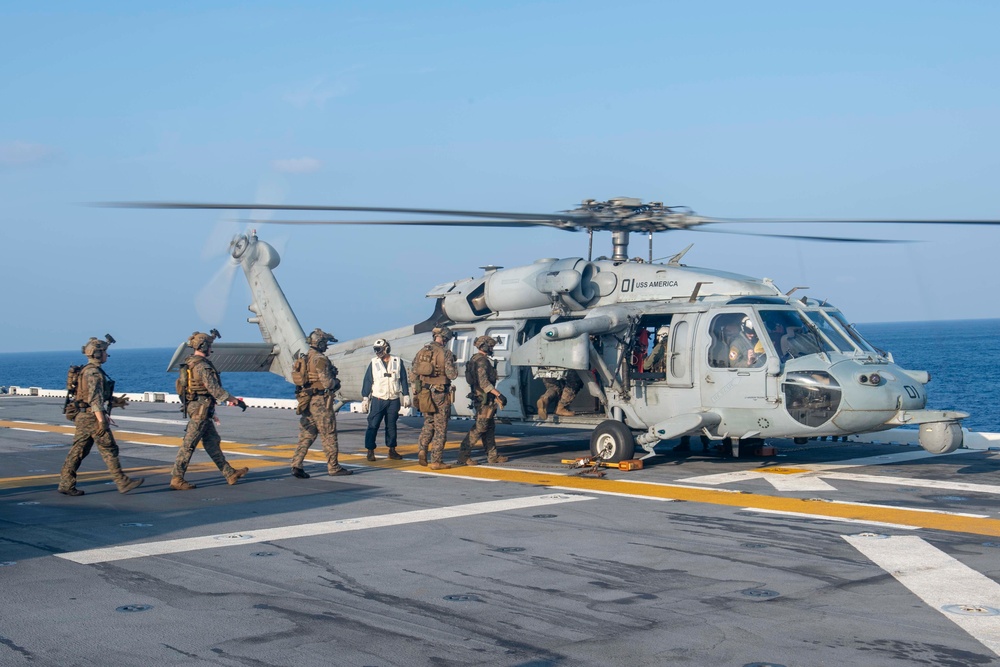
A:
{"x": 820, "y": 553}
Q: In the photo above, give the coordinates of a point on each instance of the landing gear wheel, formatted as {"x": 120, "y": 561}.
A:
{"x": 612, "y": 441}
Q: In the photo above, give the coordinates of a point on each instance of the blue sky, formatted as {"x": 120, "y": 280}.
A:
{"x": 853, "y": 109}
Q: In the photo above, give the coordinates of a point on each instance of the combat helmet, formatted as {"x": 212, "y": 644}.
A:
{"x": 444, "y": 332}
{"x": 487, "y": 342}
{"x": 95, "y": 346}
{"x": 202, "y": 342}
{"x": 381, "y": 347}
{"x": 318, "y": 339}
{"x": 663, "y": 332}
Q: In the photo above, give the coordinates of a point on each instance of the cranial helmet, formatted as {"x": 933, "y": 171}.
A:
{"x": 663, "y": 331}
{"x": 319, "y": 338}
{"x": 747, "y": 326}
{"x": 487, "y": 342}
{"x": 444, "y": 332}
{"x": 382, "y": 347}
{"x": 95, "y": 346}
{"x": 203, "y": 341}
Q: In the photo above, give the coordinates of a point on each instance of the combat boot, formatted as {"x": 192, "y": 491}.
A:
{"x": 371, "y": 455}
{"x": 542, "y": 405}
{"x": 493, "y": 457}
{"x": 422, "y": 457}
{"x": 565, "y": 412}
{"x": 438, "y": 466}
{"x": 235, "y": 474}
{"x": 71, "y": 491}
{"x": 341, "y": 471}
{"x": 394, "y": 455}
{"x": 178, "y": 484}
{"x": 130, "y": 484}
{"x": 300, "y": 473}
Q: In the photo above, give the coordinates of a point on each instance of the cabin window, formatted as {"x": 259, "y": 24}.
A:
{"x": 832, "y": 333}
{"x": 853, "y": 333}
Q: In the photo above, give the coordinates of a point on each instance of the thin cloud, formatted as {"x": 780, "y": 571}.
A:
{"x": 298, "y": 165}
{"x": 23, "y": 154}
{"x": 316, "y": 93}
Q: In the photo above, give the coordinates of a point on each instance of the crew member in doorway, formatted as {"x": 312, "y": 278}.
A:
{"x": 560, "y": 383}
{"x": 657, "y": 361}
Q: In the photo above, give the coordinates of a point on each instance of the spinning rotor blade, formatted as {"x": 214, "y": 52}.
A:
{"x": 452, "y": 223}
{"x": 865, "y": 221}
{"x": 797, "y": 237}
{"x": 211, "y": 301}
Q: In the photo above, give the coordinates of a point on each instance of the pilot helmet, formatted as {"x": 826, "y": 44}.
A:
{"x": 746, "y": 326}
{"x": 444, "y": 332}
{"x": 94, "y": 347}
{"x": 487, "y": 342}
{"x": 663, "y": 332}
{"x": 319, "y": 338}
{"x": 382, "y": 347}
{"x": 203, "y": 341}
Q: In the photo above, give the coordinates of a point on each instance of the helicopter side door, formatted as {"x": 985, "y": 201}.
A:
{"x": 462, "y": 346}
{"x": 735, "y": 365}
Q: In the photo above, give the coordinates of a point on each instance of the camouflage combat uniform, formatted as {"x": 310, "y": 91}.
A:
{"x": 566, "y": 389}
{"x": 438, "y": 388}
{"x": 319, "y": 418}
{"x": 92, "y": 397}
{"x": 484, "y": 372}
{"x": 204, "y": 391}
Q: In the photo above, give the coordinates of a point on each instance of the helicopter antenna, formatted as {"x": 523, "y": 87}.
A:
{"x": 590, "y": 246}
{"x": 650, "y": 246}
{"x": 789, "y": 292}
{"x": 676, "y": 259}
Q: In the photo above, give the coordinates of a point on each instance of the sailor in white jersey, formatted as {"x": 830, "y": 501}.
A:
{"x": 384, "y": 390}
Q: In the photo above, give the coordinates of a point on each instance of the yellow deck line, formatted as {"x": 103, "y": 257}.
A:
{"x": 902, "y": 516}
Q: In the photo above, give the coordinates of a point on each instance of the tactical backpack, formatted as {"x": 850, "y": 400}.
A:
{"x": 423, "y": 363}
{"x": 300, "y": 371}
{"x": 181, "y": 385}
{"x": 70, "y": 409}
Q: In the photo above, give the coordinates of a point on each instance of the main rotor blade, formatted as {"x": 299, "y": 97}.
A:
{"x": 438, "y": 223}
{"x": 797, "y": 237}
{"x": 553, "y": 217}
{"x": 874, "y": 221}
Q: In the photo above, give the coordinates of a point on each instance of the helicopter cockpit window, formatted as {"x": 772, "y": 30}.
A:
{"x": 855, "y": 335}
{"x": 791, "y": 335}
{"x": 735, "y": 343}
{"x": 831, "y": 331}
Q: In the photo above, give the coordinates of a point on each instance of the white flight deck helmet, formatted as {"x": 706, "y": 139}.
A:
{"x": 381, "y": 347}
{"x": 746, "y": 326}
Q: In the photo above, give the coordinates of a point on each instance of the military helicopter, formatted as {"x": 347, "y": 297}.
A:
{"x": 744, "y": 360}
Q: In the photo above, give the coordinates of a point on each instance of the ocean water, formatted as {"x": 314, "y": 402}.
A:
{"x": 963, "y": 358}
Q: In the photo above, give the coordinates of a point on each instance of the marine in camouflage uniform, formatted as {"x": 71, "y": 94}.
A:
{"x": 565, "y": 388}
{"x": 93, "y": 424}
{"x": 486, "y": 399}
{"x": 319, "y": 417}
{"x": 204, "y": 390}
{"x": 433, "y": 395}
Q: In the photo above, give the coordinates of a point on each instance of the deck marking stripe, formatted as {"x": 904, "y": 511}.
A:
{"x": 824, "y": 517}
{"x": 937, "y": 579}
{"x": 251, "y": 536}
{"x": 798, "y": 483}
{"x": 908, "y": 481}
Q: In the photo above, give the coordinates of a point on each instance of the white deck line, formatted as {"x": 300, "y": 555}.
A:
{"x": 965, "y": 597}
{"x": 251, "y": 536}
